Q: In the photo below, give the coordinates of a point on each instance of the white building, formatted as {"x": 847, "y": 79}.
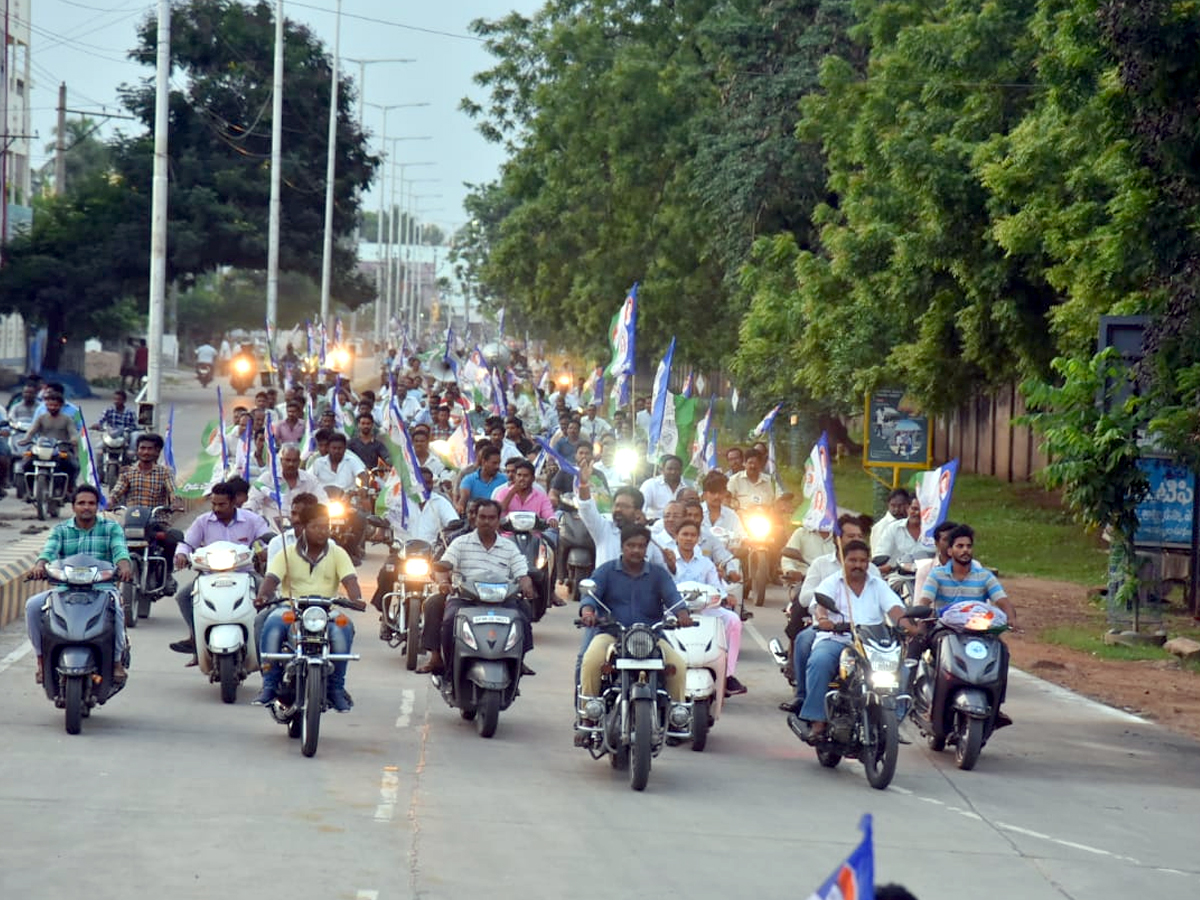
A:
{"x": 18, "y": 130}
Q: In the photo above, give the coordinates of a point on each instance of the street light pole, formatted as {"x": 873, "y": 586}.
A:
{"x": 393, "y": 295}
{"x": 330, "y": 166}
{"x": 158, "y": 221}
{"x": 413, "y": 301}
{"x": 276, "y": 176}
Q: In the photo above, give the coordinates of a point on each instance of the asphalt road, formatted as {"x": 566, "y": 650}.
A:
{"x": 170, "y": 793}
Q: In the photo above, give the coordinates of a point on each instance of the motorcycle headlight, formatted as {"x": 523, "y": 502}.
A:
{"x": 541, "y": 557}
{"x": 314, "y": 620}
{"x": 241, "y": 366}
{"x": 759, "y": 527}
{"x": 417, "y": 567}
{"x": 468, "y": 635}
{"x": 513, "y": 633}
{"x": 883, "y": 680}
{"x": 625, "y": 461}
{"x": 847, "y": 664}
{"x": 80, "y": 574}
{"x": 639, "y": 644}
{"x": 337, "y": 510}
{"x": 220, "y": 559}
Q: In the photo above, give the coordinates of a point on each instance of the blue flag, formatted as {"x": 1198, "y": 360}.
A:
{"x": 563, "y": 463}
{"x": 767, "y": 423}
{"x": 221, "y": 429}
{"x": 169, "y": 442}
{"x": 622, "y": 336}
{"x": 273, "y": 459}
{"x": 819, "y": 511}
{"x": 249, "y": 428}
{"x": 658, "y": 403}
{"x": 855, "y": 878}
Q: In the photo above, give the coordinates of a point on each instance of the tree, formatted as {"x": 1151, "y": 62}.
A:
{"x": 84, "y": 156}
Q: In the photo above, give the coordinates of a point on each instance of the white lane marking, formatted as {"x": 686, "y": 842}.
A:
{"x": 16, "y": 656}
{"x": 1016, "y": 829}
{"x": 389, "y": 793}
{"x": 408, "y": 700}
{"x": 758, "y": 638}
{"x": 899, "y": 790}
{"x": 1069, "y": 696}
{"x": 364, "y": 894}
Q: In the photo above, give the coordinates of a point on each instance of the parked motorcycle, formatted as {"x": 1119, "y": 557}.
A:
{"x": 482, "y": 676}
{"x": 77, "y": 637}
{"x": 527, "y": 531}
{"x": 223, "y": 613}
{"x": 144, "y": 533}
{"x": 204, "y": 373}
{"x": 308, "y": 663}
{"x": 631, "y": 716}
{"x": 860, "y": 705}
{"x": 576, "y": 548}
{"x": 411, "y": 563}
{"x": 114, "y": 453}
{"x": 703, "y": 647}
{"x": 958, "y": 685}
{"x": 46, "y": 482}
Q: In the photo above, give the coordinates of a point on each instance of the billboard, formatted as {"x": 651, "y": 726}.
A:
{"x": 895, "y": 434}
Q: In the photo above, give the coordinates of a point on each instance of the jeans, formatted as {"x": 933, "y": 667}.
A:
{"x": 801, "y": 650}
{"x": 33, "y": 622}
{"x": 275, "y": 630}
{"x": 822, "y": 666}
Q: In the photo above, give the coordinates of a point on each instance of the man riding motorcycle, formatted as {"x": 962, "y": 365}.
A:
{"x": 148, "y": 483}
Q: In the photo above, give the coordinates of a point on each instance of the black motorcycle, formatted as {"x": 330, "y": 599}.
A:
{"x": 527, "y": 531}
{"x": 958, "y": 685}
{"x": 576, "y": 547}
{"x": 482, "y": 676}
{"x": 860, "y": 704}
{"x": 308, "y": 663}
{"x": 114, "y": 453}
{"x": 348, "y": 526}
{"x": 144, "y": 535}
{"x": 204, "y": 373}
{"x": 77, "y": 637}
{"x": 633, "y": 712}
{"x": 410, "y": 564}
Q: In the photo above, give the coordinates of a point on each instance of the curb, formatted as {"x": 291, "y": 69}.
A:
{"x": 14, "y": 589}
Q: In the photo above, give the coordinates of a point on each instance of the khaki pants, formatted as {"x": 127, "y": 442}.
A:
{"x": 597, "y": 653}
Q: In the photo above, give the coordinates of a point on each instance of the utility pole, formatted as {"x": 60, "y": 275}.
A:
{"x": 158, "y": 220}
{"x": 60, "y": 143}
{"x": 330, "y": 168}
{"x": 276, "y": 176}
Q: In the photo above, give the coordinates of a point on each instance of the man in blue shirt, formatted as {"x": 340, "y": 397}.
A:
{"x": 634, "y": 591}
{"x": 480, "y": 484}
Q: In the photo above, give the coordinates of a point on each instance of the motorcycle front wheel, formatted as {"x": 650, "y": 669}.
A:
{"x": 643, "y": 735}
{"x": 699, "y": 724}
{"x": 488, "y": 714}
{"x": 74, "y": 691}
{"x": 129, "y": 603}
{"x": 39, "y": 497}
{"x": 314, "y": 699}
{"x": 227, "y": 675}
{"x": 412, "y": 619}
{"x": 969, "y": 743}
{"x": 761, "y": 575}
{"x": 880, "y": 760}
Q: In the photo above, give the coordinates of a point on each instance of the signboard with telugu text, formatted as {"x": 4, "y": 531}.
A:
{"x": 1165, "y": 516}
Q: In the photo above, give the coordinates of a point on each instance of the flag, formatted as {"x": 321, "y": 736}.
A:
{"x": 270, "y": 342}
{"x": 92, "y": 474}
{"x": 767, "y": 423}
{"x": 221, "y": 430}
{"x": 771, "y": 463}
{"x": 169, "y": 442}
{"x": 700, "y": 445}
{"x": 273, "y": 459}
{"x": 500, "y": 325}
{"x": 622, "y": 336}
{"x": 408, "y": 457}
{"x": 658, "y": 403}
{"x": 308, "y": 338}
{"x": 854, "y": 879}
{"x": 563, "y": 463}
{"x": 677, "y": 429}
{"x": 249, "y": 446}
{"x": 819, "y": 511}
{"x": 460, "y": 447}
{"x": 688, "y": 385}
{"x": 934, "y": 490}
{"x": 733, "y": 400}
{"x": 337, "y": 331}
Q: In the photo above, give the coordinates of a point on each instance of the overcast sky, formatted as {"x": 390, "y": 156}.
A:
{"x": 85, "y": 44}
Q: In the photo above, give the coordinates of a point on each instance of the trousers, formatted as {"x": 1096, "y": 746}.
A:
{"x": 597, "y": 652}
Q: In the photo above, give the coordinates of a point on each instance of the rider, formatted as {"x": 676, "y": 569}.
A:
{"x": 606, "y": 530}
{"x": 315, "y": 566}
{"x": 117, "y": 415}
{"x": 941, "y": 549}
{"x": 897, "y": 508}
{"x": 634, "y": 591}
{"x": 752, "y": 487}
{"x": 93, "y": 536}
{"x": 482, "y": 555}
{"x": 150, "y": 484}
{"x": 480, "y": 483}
{"x": 662, "y": 489}
{"x": 366, "y": 444}
{"x": 901, "y": 543}
{"x": 854, "y": 589}
{"x": 338, "y": 467}
{"x": 293, "y": 480}
{"x": 55, "y": 423}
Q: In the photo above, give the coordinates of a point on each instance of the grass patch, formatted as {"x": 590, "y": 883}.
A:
{"x": 1090, "y": 639}
{"x": 1021, "y": 529}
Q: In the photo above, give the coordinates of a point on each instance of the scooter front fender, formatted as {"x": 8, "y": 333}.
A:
{"x": 700, "y": 684}
{"x": 223, "y": 639}
{"x": 642, "y": 691}
{"x": 972, "y": 702}
{"x": 76, "y": 661}
{"x": 489, "y": 674}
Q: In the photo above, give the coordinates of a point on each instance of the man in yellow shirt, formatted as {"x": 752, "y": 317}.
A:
{"x": 314, "y": 567}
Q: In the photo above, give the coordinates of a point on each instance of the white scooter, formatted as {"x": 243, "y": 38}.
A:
{"x": 223, "y": 613}
{"x": 703, "y": 647}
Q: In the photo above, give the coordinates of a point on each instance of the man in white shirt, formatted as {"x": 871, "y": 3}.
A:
{"x": 591, "y": 427}
{"x": 660, "y": 490}
{"x": 338, "y": 467}
{"x": 292, "y": 481}
{"x": 811, "y": 544}
{"x": 606, "y": 531}
{"x": 897, "y": 509}
{"x": 901, "y": 543}
{"x": 206, "y": 354}
{"x": 752, "y": 487}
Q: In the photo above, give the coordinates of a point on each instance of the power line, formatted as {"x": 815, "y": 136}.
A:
{"x": 391, "y": 23}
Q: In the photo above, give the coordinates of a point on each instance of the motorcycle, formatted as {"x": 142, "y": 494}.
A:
{"x": 759, "y": 522}
{"x": 482, "y": 676}
{"x": 303, "y": 693}
{"x": 46, "y": 483}
{"x": 77, "y": 637}
{"x": 703, "y": 648}
{"x": 633, "y": 714}
{"x": 114, "y": 453}
{"x": 958, "y": 685}
{"x": 223, "y": 613}
{"x": 526, "y": 531}
{"x": 860, "y": 705}
{"x": 575, "y": 541}
{"x": 411, "y": 562}
{"x": 151, "y": 568}
{"x": 903, "y": 578}
{"x": 204, "y": 373}
{"x": 342, "y": 524}
{"x": 241, "y": 373}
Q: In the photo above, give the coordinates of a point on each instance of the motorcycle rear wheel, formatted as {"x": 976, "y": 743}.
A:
{"x": 643, "y": 734}
{"x": 227, "y": 675}
{"x": 314, "y": 699}
{"x": 969, "y": 743}
{"x": 74, "y": 691}
{"x": 699, "y": 724}
{"x": 143, "y": 605}
{"x": 880, "y": 760}
{"x": 412, "y": 618}
{"x": 489, "y": 714}
{"x": 129, "y": 604}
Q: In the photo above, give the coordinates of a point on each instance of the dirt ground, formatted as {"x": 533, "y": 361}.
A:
{"x": 1159, "y": 690}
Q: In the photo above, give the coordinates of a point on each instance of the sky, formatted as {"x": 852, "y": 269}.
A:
{"x": 85, "y": 44}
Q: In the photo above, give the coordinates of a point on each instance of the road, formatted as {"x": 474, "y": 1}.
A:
{"x": 169, "y": 793}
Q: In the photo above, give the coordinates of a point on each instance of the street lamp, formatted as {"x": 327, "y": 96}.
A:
{"x": 394, "y": 236}
{"x": 412, "y": 300}
{"x": 362, "y": 80}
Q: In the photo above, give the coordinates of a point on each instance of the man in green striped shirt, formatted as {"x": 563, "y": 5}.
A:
{"x": 85, "y": 533}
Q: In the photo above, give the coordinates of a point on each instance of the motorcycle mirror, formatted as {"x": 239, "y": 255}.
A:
{"x": 587, "y": 586}
{"x": 377, "y": 521}
{"x": 880, "y": 560}
{"x": 454, "y": 526}
{"x": 918, "y": 612}
{"x": 792, "y": 553}
{"x": 826, "y": 601}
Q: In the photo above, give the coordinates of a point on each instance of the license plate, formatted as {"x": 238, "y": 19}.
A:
{"x": 491, "y": 620}
{"x": 640, "y": 664}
